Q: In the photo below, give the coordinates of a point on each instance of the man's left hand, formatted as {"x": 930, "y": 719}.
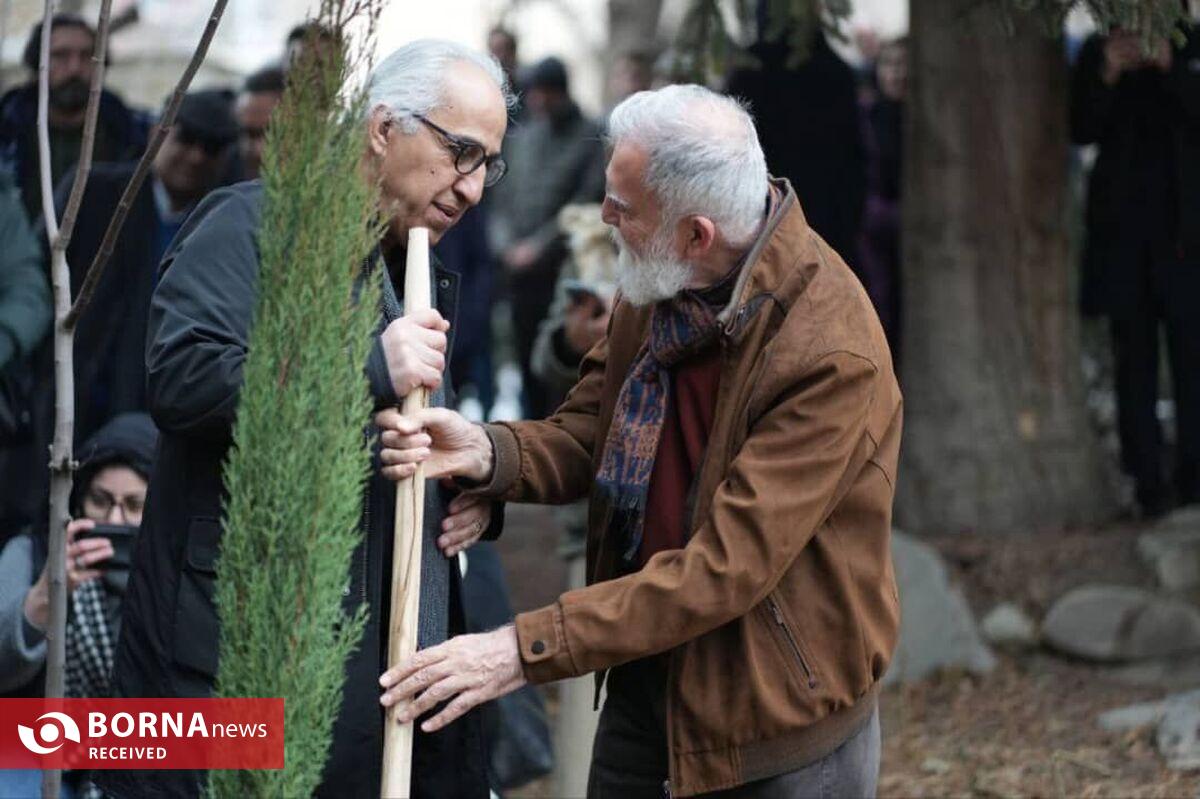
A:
{"x": 469, "y": 516}
{"x": 466, "y": 671}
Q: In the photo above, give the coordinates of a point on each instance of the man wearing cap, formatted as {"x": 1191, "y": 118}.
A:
{"x": 110, "y": 340}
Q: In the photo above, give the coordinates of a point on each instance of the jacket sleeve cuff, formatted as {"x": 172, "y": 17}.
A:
{"x": 378, "y": 377}
{"x": 545, "y": 656}
{"x": 506, "y": 463}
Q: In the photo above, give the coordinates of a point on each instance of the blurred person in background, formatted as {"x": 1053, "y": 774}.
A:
{"x": 1141, "y": 259}
{"x": 464, "y": 250}
{"x": 25, "y": 315}
{"x": 120, "y": 133}
{"x": 555, "y": 160}
{"x": 879, "y": 254}
{"x": 502, "y": 44}
{"x": 110, "y": 372}
{"x": 304, "y": 35}
{"x": 255, "y": 103}
{"x": 809, "y": 121}
{"x": 109, "y": 488}
{"x": 631, "y": 73}
{"x": 110, "y": 340}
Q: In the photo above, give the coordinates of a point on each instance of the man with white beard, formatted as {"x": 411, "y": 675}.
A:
{"x": 736, "y": 432}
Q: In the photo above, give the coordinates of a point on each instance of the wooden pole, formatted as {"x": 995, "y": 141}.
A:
{"x": 406, "y": 557}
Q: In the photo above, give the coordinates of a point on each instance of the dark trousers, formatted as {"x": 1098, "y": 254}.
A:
{"x": 530, "y": 297}
{"x": 629, "y": 756}
{"x": 1135, "y": 340}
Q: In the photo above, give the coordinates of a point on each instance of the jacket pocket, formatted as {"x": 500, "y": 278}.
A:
{"x": 196, "y": 631}
{"x": 789, "y": 644}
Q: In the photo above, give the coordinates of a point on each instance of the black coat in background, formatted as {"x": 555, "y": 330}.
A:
{"x": 121, "y": 135}
{"x": 198, "y": 333}
{"x": 1141, "y": 261}
{"x": 110, "y": 340}
{"x": 811, "y": 133}
{"x": 1144, "y": 189}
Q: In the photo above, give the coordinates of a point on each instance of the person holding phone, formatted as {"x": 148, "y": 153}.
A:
{"x": 106, "y": 510}
{"x": 108, "y": 495}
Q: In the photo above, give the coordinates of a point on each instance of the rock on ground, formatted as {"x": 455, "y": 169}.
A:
{"x": 1120, "y": 623}
{"x": 1133, "y": 716}
{"x": 1172, "y": 550}
{"x": 937, "y": 630}
{"x": 1008, "y": 627}
{"x": 1178, "y": 737}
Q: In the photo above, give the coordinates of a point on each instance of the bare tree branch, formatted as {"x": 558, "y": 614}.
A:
{"x": 61, "y": 461}
{"x": 84, "y": 167}
{"x": 43, "y": 123}
{"x": 96, "y": 270}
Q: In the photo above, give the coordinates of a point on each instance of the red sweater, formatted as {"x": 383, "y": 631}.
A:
{"x": 686, "y": 424}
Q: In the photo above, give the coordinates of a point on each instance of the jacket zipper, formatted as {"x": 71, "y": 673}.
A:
{"x": 791, "y": 639}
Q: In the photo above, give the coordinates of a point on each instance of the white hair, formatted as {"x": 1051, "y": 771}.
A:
{"x": 704, "y": 155}
{"x": 411, "y": 81}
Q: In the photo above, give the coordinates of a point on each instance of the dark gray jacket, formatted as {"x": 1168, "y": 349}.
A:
{"x": 551, "y": 164}
{"x": 196, "y": 346}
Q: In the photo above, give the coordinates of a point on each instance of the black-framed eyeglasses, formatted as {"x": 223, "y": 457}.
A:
{"x": 103, "y": 501}
{"x": 468, "y": 154}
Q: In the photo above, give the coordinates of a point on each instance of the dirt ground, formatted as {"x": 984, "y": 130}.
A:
{"x": 1027, "y": 730}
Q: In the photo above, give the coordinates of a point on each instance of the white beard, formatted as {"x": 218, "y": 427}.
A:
{"x": 656, "y": 275}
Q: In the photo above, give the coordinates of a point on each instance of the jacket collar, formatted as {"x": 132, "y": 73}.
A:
{"x": 761, "y": 265}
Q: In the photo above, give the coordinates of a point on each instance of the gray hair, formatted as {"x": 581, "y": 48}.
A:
{"x": 704, "y": 155}
{"x": 411, "y": 80}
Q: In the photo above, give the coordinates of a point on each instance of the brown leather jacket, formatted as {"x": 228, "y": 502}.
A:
{"x": 780, "y": 615}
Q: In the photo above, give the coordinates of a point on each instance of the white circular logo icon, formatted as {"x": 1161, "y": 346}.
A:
{"x": 49, "y": 733}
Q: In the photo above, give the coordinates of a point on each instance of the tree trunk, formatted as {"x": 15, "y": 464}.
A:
{"x": 633, "y": 25}
{"x": 996, "y": 437}
{"x": 632, "y": 28}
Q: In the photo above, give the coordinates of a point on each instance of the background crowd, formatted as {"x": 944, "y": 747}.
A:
{"x": 537, "y": 281}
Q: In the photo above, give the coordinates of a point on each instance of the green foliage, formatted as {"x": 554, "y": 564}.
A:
{"x": 706, "y": 43}
{"x": 714, "y": 32}
{"x": 1153, "y": 19}
{"x": 296, "y": 470}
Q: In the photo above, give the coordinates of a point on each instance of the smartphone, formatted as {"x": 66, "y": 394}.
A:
{"x": 116, "y": 568}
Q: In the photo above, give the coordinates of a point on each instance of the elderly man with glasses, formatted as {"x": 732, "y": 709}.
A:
{"x": 437, "y": 113}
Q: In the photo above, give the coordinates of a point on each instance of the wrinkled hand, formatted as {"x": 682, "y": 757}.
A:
{"x": 415, "y": 348}
{"x": 444, "y": 441}
{"x": 466, "y": 671}
{"x": 81, "y": 555}
{"x": 469, "y": 517}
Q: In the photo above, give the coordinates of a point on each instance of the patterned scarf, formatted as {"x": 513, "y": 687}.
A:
{"x": 679, "y": 328}
{"x": 89, "y": 643}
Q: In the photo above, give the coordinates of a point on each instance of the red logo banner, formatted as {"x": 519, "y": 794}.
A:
{"x": 141, "y": 733}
